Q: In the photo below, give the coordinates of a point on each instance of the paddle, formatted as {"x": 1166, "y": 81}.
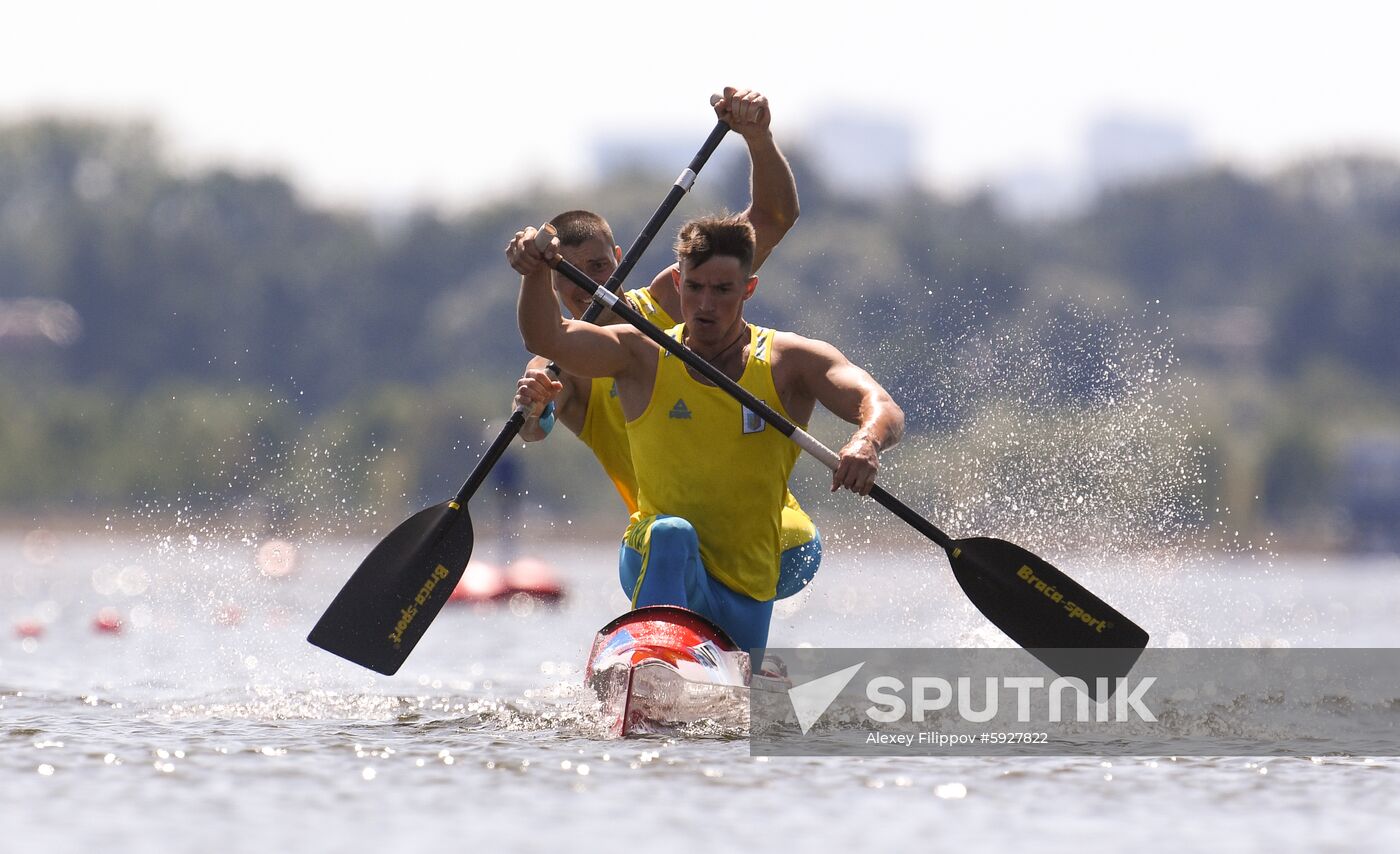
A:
{"x": 1070, "y": 629}
{"x": 390, "y": 600}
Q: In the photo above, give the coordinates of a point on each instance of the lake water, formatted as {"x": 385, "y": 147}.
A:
{"x": 209, "y": 724}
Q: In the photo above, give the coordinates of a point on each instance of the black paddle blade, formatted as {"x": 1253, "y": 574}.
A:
{"x": 383, "y": 610}
{"x": 1050, "y": 614}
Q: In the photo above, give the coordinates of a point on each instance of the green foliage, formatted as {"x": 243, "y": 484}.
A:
{"x": 240, "y": 343}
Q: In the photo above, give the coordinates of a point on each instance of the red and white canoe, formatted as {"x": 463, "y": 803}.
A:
{"x": 662, "y": 666}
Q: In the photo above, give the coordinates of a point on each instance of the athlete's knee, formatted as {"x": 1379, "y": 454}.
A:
{"x": 629, "y": 568}
{"x": 798, "y": 566}
{"x": 673, "y": 531}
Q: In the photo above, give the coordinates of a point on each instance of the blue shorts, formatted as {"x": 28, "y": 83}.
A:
{"x": 672, "y": 573}
{"x": 798, "y": 565}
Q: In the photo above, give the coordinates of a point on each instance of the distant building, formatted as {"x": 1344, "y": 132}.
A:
{"x": 1041, "y": 193}
{"x": 1123, "y": 148}
{"x": 862, "y": 155}
{"x": 630, "y": 155}
{"x": 855, "y": 155}
{"x": 1118, "y": 149}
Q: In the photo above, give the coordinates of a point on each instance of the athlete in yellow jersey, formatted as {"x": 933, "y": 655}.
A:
{"x": 711, "y": 477}
{"x": 589, "y": 407}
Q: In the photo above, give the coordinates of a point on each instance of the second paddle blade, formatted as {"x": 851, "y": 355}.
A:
{"x": 1038, "y": 606}
{"x": 383, "y": 610}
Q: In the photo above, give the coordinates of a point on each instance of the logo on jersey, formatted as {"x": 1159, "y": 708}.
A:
{"x": 680, "y": 410}
{"x": 753, "y": 422}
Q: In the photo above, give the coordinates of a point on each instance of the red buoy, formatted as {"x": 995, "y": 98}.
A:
{"x": 108, "y": 621}
{"x": 276, "y": 558}
{"x": 229, "y": 614}
{"x": 482, "y": 582}
{"x": 535, "y": 577}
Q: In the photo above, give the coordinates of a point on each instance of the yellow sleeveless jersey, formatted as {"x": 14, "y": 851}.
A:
{"x": 605, "y": 434}
{"x": 603, "y": 425}
{"x": 701, "y": 456}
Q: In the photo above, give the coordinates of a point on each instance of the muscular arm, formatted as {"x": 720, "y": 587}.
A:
{"x": 773, "y": 210}
{"x": 817, "y": 371}
{"x": 773, "y": 207}
{"x": 579, "y": 348}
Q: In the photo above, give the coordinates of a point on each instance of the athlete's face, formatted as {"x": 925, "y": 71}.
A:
{"x": 713, "y": 296}
{"x": 598, "y": 259}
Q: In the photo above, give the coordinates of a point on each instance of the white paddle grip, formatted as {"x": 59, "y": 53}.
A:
{"x": 807, "y": 442}
{"x": 544, "y": 235}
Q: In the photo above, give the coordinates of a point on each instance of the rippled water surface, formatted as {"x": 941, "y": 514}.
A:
{"x": 208, "y": 724}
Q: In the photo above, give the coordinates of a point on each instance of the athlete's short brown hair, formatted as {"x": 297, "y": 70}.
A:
{"x": 731, "y": 236}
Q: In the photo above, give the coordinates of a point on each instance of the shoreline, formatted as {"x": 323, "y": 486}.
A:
{"x": 605, "y": 529}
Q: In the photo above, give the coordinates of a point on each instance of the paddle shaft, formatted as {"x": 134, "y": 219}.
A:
{"x": 492, "y": 455}
{"x": 639, "y": 247}
{"x": 804, "y": 440}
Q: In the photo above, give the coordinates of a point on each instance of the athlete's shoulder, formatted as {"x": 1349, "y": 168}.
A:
{"x": 792, "y": 343}
{"x": 797, "y": 358}
{"x": 659, "y": 301}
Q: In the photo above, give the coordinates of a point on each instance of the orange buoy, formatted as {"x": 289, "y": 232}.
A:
{"x": 29, "y": 628}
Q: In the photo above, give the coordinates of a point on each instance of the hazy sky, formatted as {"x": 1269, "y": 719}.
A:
{"x": 390, "y": 102}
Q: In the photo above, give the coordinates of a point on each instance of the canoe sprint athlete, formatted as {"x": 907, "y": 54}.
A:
{"x": 589, "y": 407}
{"x": 711, "y": 476}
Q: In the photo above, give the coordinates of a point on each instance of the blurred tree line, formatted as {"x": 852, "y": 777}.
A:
{"x": 214, "y": 336}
